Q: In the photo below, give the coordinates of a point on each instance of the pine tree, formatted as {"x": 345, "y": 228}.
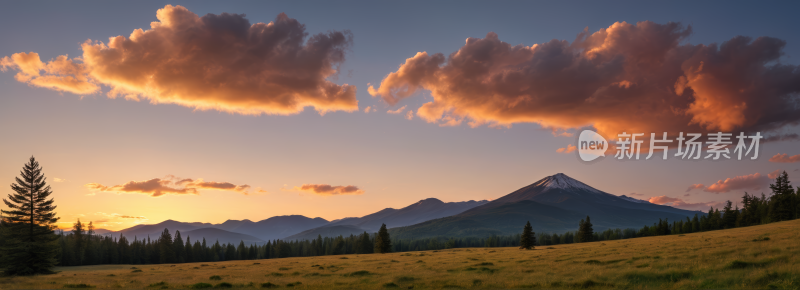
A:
{"x": 177, "y": 245}
{"x": 527, "y": 240}
{"x": 586, "y": 231}
{"x": 383, "y": 243}
{"x": 166, "y": 252}
{"x": 30, "y": 245}
{"x": 781, "y": 207}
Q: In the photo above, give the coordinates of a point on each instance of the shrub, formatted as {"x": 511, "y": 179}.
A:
{"x": 224, "y": 285}
{"x": 136, "y": 271}
{"x": 390, "y": 285}
{"x": 269, "y": 285}
{"x": 78, "y": 286}
{"x": 283, "y": 269}
{"x": 200, "y": 286}
{"x": 485, "y": 264}
{"x": 215, "y": 277}
{"x": 162, "y": 283}
{"x": 277, "y": 274}
{"x": 358, "y": 274}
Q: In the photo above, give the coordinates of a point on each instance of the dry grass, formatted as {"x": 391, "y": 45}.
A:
{"x": 729, "y": 259}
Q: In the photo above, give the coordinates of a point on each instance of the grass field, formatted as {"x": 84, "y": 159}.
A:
{"x": 760, "y": 257}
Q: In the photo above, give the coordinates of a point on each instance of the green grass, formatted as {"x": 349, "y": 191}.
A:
{"x": 727, "y": 259}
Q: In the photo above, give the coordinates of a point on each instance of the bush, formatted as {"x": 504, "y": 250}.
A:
{"x": 284, "y": 269}
{"x": 390, "y": 285}
{"x": 136, "y": 271}
{"x": 269, "y": 285}
{"x": 162, "y": 283}
{"x": 78, "y": 286}
{"x": 224, "y": 285}
{"x": 215, "y": 277}
{"x": 200, "y": 286}
{"x": 358, "y": 274}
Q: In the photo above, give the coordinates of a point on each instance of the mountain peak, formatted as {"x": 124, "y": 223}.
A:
{"x": 562, "y": 181}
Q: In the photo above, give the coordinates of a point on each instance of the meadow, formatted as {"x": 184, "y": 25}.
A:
{"x": 758, "y": 257}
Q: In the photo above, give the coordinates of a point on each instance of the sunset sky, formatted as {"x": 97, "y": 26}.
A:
{"x": 145, "y": 111}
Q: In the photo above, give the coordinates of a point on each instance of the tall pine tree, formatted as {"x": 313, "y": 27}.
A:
{"x": 30, "y": 245}
{"x": 781, "y": 207}
{"x": 527, "y": 240}
{"x": 383, "y": 244}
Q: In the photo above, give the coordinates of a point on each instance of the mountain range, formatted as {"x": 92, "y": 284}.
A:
{"x": 553, "y": 204}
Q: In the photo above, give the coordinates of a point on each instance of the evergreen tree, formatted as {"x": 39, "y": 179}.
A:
{"x": 177, "y": 245}
{"x": 30, "y": 245}
{"x": 781, "y": 207}
{"x": 166, "y": 252}
{"x": 383, "y": 243}
{"x": 527, "y": 240}
{"x": 585, "y": 231}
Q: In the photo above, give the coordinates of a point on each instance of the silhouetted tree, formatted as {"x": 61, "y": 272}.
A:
{"x": 585, "y": 231}
{"x": 527, "y": 240}
{"x": 30, "y": 245}
{"x": 781, "y": 207}
{"x": 383, "y": 244}
{"x": 166, "y": 250}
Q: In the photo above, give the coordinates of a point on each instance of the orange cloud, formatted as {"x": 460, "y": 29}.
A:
{"x": 745, "y": 182}
{"x": 169, "y": 185}
{"x": 368, "y": 109}
{"x": 608, "y": 79}
{"x": 569, "y": 149}
{"x": 324, "y": 189}
{"x": 398, "y": 111}
{"x": 785, "y": 158}
{"x": 214, "y": 62}
{"x": 60, "y": 74}
{"x": 679, "y": 203}
{"x": 695, "y": 186}
{"x": 410, "y": 115}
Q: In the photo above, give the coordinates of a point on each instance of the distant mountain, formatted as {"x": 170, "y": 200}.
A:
{"x": 268, "y": 229}
{"x": 279, "y": 227}
{"x": 424, "y": 210}
{"x": 213, "y": 235}
{"x": 154, "y": 231}
{"x": 553, "y": 204}
{"x": 327, "y": 231}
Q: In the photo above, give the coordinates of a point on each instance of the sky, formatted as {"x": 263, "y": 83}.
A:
{"x": 145, "y": 111}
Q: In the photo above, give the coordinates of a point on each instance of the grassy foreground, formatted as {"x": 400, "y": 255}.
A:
{"x": 760, "y": 257}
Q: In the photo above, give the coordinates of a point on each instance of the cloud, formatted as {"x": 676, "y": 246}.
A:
{"x": 214, "y": 62}
{"x": 410, "y": 115}
{"x": 679, "y": 203}
{"x": 56, "y": 179}
{"x": 368, "y": 109}
{"x": 398, "y": 111}
{"x": 785, "y": 158}
{"x": 686, "y": 195}
{"x": 608, "y": 79}
{"x": 200, "y": 184}
{"x": 636, "y": 194}
{"x": 169, "y": 185}
{"x": 324, "y": 189}
{"x": 745, "y": 182}
{"x": 131, "y": 217}
{"x": 774, "y": 174}
{"x": 569, "y": 149}
{"x": 695, "y": 186}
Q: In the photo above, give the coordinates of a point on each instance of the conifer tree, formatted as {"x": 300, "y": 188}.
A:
{"x": 30, "y": 245}
{"x": 166, "y": 252}
{"x": 177, "y": 245}
{"x": 383, "y": 243}
{"x": 527, "y": 240}
{"x": 781, "y": 207}
{"x": 586, "y": 231}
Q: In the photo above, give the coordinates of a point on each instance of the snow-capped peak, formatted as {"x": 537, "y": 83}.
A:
{"x": 562, "y": 181}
